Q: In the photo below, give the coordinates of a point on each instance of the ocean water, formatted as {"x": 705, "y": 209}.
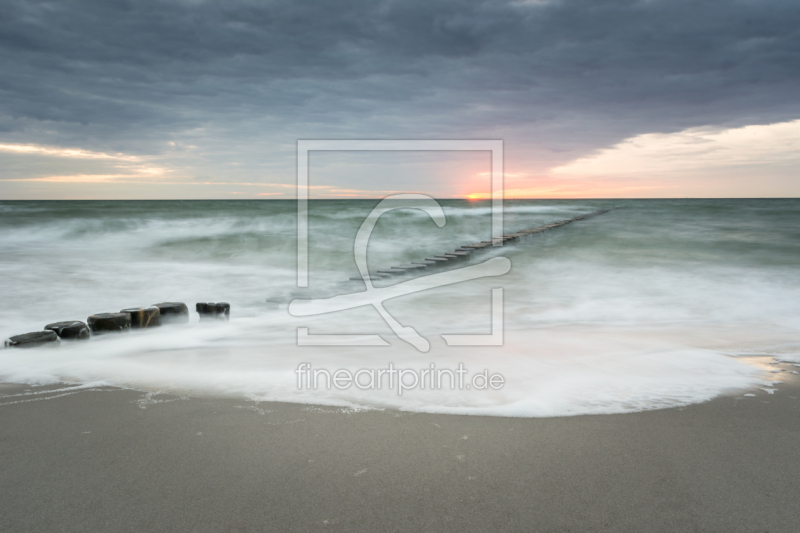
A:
{"x": 646, "y": 306}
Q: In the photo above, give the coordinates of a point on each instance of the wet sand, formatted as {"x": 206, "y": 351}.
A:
{"x": 122, "y": 460}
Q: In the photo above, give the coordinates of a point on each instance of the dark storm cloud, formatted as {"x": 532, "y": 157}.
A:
{"x": 573, "y": 75}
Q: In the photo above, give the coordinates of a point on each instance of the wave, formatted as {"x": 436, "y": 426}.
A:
{"x": 637, "y": 309}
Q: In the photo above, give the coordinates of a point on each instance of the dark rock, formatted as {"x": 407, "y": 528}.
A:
{"x": 223, "y": 310}
{"x": 71, "y": 329}
{"x": 30, "y": 340}
{"x": 173, "y": 312}
{"x": 214, "y": 310}
{"x": 109, "y": 322}
{"x": 144, "y": 317}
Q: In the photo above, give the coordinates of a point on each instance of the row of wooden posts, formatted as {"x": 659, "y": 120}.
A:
{"x": 174, "y": 312}
{"x": 464, "y": 252}
{"x": 126, "y": 319}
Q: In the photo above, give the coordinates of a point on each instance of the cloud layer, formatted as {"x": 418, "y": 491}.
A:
{"x": 221, "y": 91}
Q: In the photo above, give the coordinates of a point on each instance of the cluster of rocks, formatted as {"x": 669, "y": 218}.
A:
{"x": 465, "y": 252}
{"x": 131, "y": 318}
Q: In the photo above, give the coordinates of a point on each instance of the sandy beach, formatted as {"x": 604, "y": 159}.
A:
{"x": 123, "y": 460}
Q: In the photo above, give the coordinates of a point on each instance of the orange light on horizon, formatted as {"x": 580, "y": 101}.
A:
{"x": 581, "y": 189}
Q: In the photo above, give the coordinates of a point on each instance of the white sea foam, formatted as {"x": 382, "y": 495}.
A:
{"x": 618, "y": 313}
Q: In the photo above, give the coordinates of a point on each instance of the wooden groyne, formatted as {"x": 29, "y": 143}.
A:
{"x": 132, "y": 318}
{"x": 467, "y": 251}
{"x": 177, "y": 312}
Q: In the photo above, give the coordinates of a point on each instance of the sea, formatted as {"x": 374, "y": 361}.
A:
{"x": 653, "y": 304}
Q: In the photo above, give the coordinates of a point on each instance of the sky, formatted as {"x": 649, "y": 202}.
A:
{"x": 193, "y": 99}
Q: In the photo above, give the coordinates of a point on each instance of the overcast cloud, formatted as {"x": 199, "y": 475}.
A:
{"x": 219, "y": 92}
